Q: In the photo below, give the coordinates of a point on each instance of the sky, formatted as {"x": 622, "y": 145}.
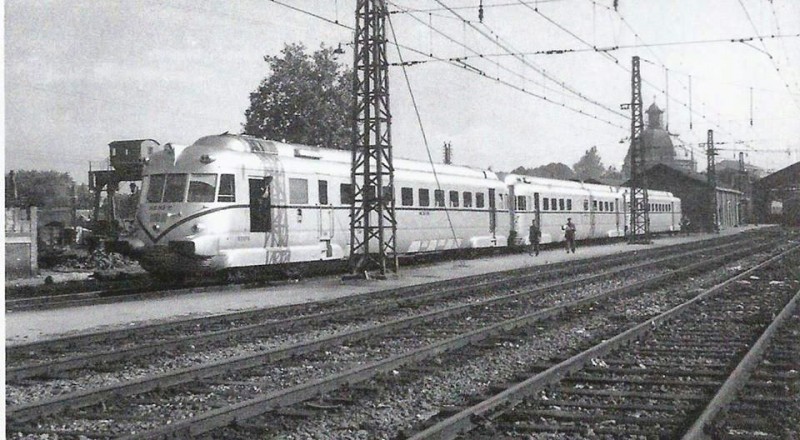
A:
{"x": 79, "y": 74}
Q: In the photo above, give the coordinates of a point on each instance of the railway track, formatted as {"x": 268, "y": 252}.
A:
{"x": 53, "y": 357}
{"x": 192, "y": 379}
{"x": 120, "y": 291}
{"x": 652, "y": 381}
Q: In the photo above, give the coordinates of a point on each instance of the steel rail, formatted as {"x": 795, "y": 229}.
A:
{"x": 125, "y": 294}
{"x": 74, "y": 362}
{"x": 220, "y": 417}
{"x": 741, "y": 374}
{"x": 32, "y": 410}
{"x": 464, "y": 420}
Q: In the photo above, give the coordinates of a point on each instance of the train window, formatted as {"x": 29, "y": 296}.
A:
{"x": 500, "y": 201}
{"x": 346, "y": 193}
{"x": 585, "y": 205}
{"x": 479, "y": 202}
{"x": 454, "y": 199}
{"x": 424, "y": 197}
{"x": 175, "y": 189}
{"x": 467, "y": 199}
{"x": 594, "y": 205}
{"x": 323, "y": 192}
{"x": 438, "y": 197}
{"x": 388, "y": 193}
{"x": 298, "y": 191}
{"x": 406, "y": 196}
{"x": 608, "y": 206}
{"x": 554, "y": 204}
{"x": 521, "y": 203}
{"x": 569, "y": 204}
{"x": 227, "y": 188}
{"x": 546, "y": 204}
{"x": 561, "y": 206}
{"x": 601, "y": 207}
{"x": 155, "y": 188}
{"x": 202, "y": 188}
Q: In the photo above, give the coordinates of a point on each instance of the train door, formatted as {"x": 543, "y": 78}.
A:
{"x": 617, "y": 216}
{"x": 536, "y": 213}
{"x": 592, "y": 216}
{"x": 492, "y": 212}
{"x": 325, "y": 220}
{"x": 260, "y": 204}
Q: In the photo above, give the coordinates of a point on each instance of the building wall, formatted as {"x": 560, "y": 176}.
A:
{"x": 21, "y": 248}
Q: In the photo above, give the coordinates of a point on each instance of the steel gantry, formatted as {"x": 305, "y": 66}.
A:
{"x": 711, "y": 174}
{"x": 373, "y": 226}
{"x": 640, "y": 206}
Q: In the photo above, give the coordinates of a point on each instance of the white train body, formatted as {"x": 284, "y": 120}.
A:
{"x": 204, "y": 207}
{"x": 598, "y": 211}
{"x": 230, "y": 201}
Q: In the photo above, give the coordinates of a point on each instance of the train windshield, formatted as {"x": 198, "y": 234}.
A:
{"x": 175, "y": 188}
{"x": 155, "y": 188}
{"x": 202, "y": 188}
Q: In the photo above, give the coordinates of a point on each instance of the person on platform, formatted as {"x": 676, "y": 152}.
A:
{"x": 569, "y": 235}
{"x": 535, "y": 236}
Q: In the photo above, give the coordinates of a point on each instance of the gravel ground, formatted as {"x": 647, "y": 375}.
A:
{"x": 406, "y": 405}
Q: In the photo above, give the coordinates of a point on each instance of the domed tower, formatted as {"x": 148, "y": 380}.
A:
{"x": 658, "y": 147}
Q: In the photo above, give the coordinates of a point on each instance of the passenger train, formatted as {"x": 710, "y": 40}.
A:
{"x": 235, "y": 201}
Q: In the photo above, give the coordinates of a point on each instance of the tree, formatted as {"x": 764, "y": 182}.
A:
{"x": 551, "y": 171}
{"x": 589, "y": 166}
{"x": 613, "y": 175}
{"x": 44, "y": 189}
{"x": 305, "y": 99}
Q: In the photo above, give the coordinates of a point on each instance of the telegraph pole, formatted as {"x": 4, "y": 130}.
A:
{"x": 640, "y": 206}
{"x": 711, "y": 174}
{"x": 372, "y": 220}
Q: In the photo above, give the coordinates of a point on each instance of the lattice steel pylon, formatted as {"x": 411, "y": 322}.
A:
{"x": 711, "y": 174}
{"x": 640, "y": 206}
{"x": 373, "y": 227}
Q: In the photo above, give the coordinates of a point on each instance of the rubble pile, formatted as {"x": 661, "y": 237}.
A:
{"x": 84, "y": 260}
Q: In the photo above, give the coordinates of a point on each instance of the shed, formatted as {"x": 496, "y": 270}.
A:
{"x": 781, "y": 186}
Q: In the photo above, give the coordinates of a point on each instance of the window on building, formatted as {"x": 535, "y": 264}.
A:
{"x": 322, "y": 189}
{"x": 438, "y": 197}
{"x": 406, "y": 196}
{"x": 298, "y": 191}
{"x": 424, "y": 197}
{"x": 227, "y": 188}
{"x": 346, "y": 193}
{"x": 453, "y": 199}
{"x": 202, "y": 188}
{"x": 479, "y": 202}
{"x": 175, "y": 189}
{"x": 467, "y": 199}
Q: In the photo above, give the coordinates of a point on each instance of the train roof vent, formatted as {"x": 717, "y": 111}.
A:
{"x": 308, "y": 153}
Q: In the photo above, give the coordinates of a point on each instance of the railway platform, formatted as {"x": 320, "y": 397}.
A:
{"x": 36, "y": 325}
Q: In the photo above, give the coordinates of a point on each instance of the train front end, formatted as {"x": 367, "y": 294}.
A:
{"x": 188, "y": 207}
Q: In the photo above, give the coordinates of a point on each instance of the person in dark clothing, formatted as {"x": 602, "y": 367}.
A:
{"x": 569, "y": 235}
{"x": 685, "y": 222}
{"x": 535, "y": 236}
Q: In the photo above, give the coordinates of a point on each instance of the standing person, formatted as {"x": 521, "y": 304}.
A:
{"x": 534, "y": 235}
{"x": 685, "y": 222}
{"x": 569, "y": 235}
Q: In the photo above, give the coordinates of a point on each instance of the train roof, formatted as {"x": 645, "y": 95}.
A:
{"x": 254, "y": 145}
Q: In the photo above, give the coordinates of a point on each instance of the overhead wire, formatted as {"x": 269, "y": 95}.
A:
{"x": 766, "y": 51}
{"x": 497, "y": 41}
{"x": 421, "y": 127}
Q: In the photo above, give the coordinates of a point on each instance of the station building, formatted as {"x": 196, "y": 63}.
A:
{"x": 695, "y": 195}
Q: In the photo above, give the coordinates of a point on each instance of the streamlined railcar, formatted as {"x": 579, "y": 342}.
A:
{"x": 598, "y": 211}
{"x": 231, "y": 201}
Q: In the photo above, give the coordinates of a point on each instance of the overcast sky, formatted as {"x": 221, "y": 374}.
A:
{"x": 80, "y": 74}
